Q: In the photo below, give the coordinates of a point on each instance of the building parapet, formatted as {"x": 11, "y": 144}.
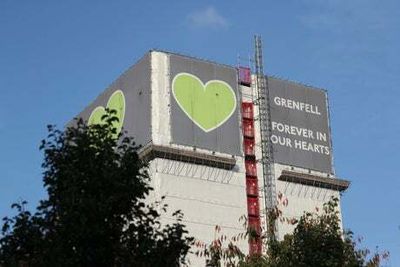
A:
{"x": 314, "y": 180}
{"x": 151, "y": 151}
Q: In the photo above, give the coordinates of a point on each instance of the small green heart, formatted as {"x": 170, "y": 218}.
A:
{"x": 208, "y": 106}
{"x": 115, "y": 102}
{"x": 95, "y": 117}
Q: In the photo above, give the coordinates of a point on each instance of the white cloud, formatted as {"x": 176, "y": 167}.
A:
{"x": 208, "y": 18}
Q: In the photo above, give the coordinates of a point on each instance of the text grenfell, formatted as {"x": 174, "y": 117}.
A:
{"x": 296, "y": 105}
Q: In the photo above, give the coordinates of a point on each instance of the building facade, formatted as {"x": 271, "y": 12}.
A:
{"x": 197, "y": 122}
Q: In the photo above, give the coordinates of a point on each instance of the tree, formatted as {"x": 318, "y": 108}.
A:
{"x": 317, "y": 240}
{"x": 96, "y": 212}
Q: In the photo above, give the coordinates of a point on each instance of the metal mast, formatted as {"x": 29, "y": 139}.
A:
{"x": 267, "y": 159}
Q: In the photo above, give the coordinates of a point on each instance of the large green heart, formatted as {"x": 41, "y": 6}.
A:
{"x": 208, "y": 105}
{"x": 115, "y": 102}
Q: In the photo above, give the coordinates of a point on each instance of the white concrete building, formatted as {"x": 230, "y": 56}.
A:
{"x": 189, "y": 116}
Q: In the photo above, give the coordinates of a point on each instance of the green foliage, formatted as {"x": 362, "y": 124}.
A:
{"x": 95, "y": 213}
{"x": 317, "y": 241}
{"x": 22, "y": 245}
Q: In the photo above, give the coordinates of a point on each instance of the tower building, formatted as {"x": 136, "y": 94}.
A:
{"x": 205, "y": 127}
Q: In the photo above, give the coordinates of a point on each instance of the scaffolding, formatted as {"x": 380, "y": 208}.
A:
{"x": 267, "y": 157}
{"x": 314, "y": 180}
{"x": 151, "y": 151}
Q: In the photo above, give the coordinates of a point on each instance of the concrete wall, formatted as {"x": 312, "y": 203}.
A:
{"x": 301, "y": 198}
{"x": 207, "y": 197}
{"x": 160, "y": 99}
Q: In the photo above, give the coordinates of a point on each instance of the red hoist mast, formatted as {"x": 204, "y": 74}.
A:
{"x": 249, "y": 145}
{"x": 252, "y": 192}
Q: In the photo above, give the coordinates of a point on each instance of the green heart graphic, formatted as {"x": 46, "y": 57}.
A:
{"x": 115, "y": 102}
{"x": 208, "y": 105}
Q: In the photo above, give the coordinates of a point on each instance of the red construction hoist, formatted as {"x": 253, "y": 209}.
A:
{"x": 253, "y": 208}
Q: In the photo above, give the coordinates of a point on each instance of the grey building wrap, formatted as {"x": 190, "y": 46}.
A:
{"x": 226, "y": 137}
{"x": 135, "y": 85}
{"x": 303, "y": 151}
{"x": 301, "y": 134}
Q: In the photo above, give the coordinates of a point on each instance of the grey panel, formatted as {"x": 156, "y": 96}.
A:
{"x": 226, "y": 137}
{"x": 299, "y": 113}
{"x": 135, "y": 84}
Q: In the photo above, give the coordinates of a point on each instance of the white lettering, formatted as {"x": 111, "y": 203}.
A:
{"x": 321, "y": 136}
{"x": 292, "y": 130}
{"x": 296, "y": 105}
{"x": 283, "y": 141}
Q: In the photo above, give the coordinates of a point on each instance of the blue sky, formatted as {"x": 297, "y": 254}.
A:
{"x": 57, "y": 56}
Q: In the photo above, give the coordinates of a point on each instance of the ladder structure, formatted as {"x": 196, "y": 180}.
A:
{"x": 267, "y": 155}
